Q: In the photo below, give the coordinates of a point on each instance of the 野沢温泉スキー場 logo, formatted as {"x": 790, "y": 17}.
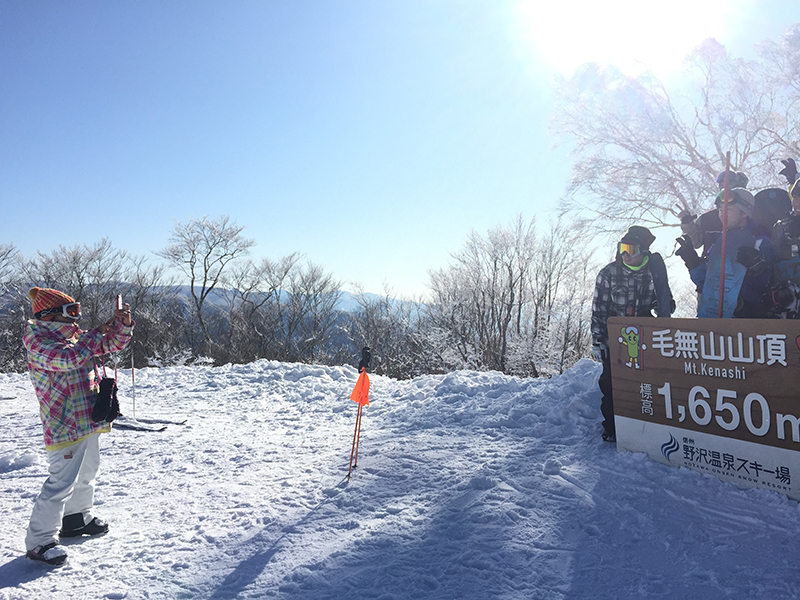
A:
{"x": 671, "y": 447}
{"x": 631, "y": 338}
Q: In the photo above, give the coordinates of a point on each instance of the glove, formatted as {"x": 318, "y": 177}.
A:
{"x": 600, "y": 352}
{"x": 686, "y": 217}
{"x": 789, "y": 243}
{"x": 789, "y": 170}
{"x": 366, "y": 356}
{"x": 751, "y": 258}
{"x": 687, "y": 252}
{"x": 783, "y": 296}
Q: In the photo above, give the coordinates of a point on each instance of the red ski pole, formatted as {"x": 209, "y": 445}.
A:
{"x": 725, "y": 200}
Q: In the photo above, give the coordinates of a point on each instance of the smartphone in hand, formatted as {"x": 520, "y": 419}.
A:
{"x": 119, "y": 301}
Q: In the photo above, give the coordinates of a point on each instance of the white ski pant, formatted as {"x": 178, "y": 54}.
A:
{"x": 68, "y": 490}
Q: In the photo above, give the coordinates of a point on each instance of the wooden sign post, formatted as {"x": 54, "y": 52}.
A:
{"x": 721, "y": 396}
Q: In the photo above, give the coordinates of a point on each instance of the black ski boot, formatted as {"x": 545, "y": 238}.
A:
{"x": 73, "y": 526}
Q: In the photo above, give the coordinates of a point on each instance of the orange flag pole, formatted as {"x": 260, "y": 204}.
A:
{"x": 358, "y": 436}
{"x": 360, "y": 395}
{"x": 356, "y": 432}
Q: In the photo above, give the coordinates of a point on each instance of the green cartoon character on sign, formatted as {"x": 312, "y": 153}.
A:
{"x": 630, "y": 338}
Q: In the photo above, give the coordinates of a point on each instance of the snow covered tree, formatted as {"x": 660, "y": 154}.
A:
{"x": 309, "y": 314}
{"x": 93, "y": 275}
{"x": 202, "y": 249}
{"x": 555, "y": 324}
{"x": 8, "y": 260}
{"x": 280, "y": 310}
{"x": 390, "y": 327}
{"x": 646, "y": 152}
{"x": 252, "y": 293}
{"x": 157, "y": 309}
{"x": 479, "y": 299}
{"x": 514, "y": 301}
{"x": 13, "y": 304}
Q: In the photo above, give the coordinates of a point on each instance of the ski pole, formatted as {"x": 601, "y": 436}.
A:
{"x": 352, "y": 449}
{"x": 360, "y": 395}
{"x": 358, "y": 436}
{"x": 362, "y": 366}
{"x": 115, "y": 356}
{"x": 133, "y": 382}
{"x": 725, "y": 200}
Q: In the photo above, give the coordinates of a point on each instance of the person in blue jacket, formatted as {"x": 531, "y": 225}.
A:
{"x": 748, "y": 263}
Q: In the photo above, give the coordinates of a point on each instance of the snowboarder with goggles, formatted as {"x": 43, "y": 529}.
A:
{"x": 634, "y": 285}
{"x": 61, "y": 365}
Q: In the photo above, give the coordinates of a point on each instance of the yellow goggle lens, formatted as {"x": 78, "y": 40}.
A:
{"x": 629, "y": 249}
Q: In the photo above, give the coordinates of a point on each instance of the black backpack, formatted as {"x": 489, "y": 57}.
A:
{"x": 658, "y": 270}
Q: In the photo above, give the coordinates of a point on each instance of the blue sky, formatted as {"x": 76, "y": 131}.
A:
{"x": 370, "y": 136}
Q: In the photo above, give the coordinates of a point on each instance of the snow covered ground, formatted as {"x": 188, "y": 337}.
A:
{"x": 468, "y": 486}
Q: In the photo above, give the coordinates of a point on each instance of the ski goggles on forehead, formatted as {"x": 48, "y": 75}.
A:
{"x": 71, "y": 311}
{"x": 629, "y": 249}
{"x": 731, "y": 199}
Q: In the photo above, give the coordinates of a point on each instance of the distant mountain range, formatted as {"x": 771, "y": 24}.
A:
{"x": 347, "y": 302}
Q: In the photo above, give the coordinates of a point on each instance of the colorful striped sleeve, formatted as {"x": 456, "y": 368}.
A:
{"x": 51, "y": 352}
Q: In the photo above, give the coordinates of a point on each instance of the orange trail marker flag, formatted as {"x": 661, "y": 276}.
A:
{"x": 361, "y": 391}
{"x": 360, "y": 395}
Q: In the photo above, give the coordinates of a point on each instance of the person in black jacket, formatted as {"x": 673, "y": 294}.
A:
{"x": 786, "y": 232}
{"x": 785, "y": 292}
{"x": 634, "y": 285}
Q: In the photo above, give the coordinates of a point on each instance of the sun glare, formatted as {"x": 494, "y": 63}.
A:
{"x": 629, "y": 34}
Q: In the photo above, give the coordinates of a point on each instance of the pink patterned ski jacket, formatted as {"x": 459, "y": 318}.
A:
{"x": 61, "y": 366}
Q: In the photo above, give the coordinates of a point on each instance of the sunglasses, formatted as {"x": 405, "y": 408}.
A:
{"x": 629, "y": 249}
{"x": 71, "y": 311}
